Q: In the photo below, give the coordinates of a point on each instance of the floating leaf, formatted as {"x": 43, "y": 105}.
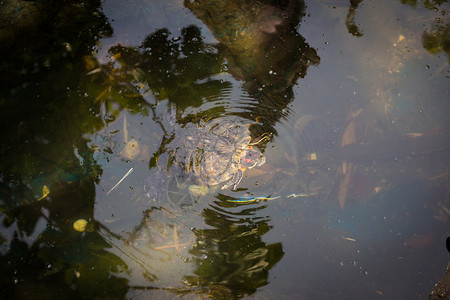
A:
{"x": 45, "y": 192}
{"x": 198, "y": 190}
{"x": 80, "y": 225}
{"x": 132, "y": 150}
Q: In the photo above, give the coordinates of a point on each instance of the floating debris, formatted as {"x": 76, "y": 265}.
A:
{"x": 124, "y": 176}
{"x": 348, "y": 238}
{"x": 298, "y": 195}
{"x": 246, "y": 199}
{"x": 251, "y": 199}
{"x": 131, "y": 150}
{"x": 172, "y": 246}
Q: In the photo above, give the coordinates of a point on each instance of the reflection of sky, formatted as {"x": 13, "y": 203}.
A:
{"x": 8, "y": 233}
{"x": 385, "y": 240}
{"x": 326, "y": 248}
{"x": 351, "y": 68}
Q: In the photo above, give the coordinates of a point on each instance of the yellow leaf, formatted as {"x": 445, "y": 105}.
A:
{"x": 116, "y": 56}
{"x": 45, "y": 192}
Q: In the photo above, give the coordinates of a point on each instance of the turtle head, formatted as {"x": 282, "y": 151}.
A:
{"x": 252, "y": 157}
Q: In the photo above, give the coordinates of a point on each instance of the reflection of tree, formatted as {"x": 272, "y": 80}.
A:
{"x": 259, "y": 39}
{"x": 174, "y": 69}
{"x": 223, "y": 248}
{"x": 49, "y": 103}
{"x": 232, "y": 253}
{"x": 61, "y": 261}
{"x": 61, "y": 258}
{"x": 260, "y": 43}
{"x": 350, "y": 21}
{"x": 434, "y": 40}
{"x": 36, "y": 36}
{"x": 47, "y": 107}
{"x": 437, "y": 38}
{"x": 429, "y": 4}
{"x": 263, "y": 47}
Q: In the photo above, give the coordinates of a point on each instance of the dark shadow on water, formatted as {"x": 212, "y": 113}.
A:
{"x": 47, "y": 172}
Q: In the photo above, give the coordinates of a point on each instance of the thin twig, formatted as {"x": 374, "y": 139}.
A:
{"x": 124, "y": 176}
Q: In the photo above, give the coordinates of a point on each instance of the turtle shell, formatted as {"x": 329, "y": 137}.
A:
{"x": 208, "y": 153}
{"x": 212, "y": 151}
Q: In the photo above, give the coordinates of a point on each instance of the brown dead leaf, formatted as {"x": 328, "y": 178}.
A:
{"x": 343, "y": 186}
{"x": 353, "y": 114}
{"x": 349, "y": 136}
{"x": 344, "y": 167}
{"x": 302, "y": 123}
{"x": 415, "y": 134}
{"x": 290, "y": 159}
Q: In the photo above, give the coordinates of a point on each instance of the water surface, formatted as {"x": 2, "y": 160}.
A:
{"x": 346, "y": 100}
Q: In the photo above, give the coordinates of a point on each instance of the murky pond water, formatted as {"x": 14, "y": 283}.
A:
{"x": 224, "y": 149}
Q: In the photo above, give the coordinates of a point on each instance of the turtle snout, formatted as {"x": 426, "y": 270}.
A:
{"x": 259, "y": 162}
{"x": 253, "y": 158}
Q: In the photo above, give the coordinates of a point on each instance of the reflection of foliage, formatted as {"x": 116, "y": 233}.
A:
{"x": 174, "y": 69}
{"x": 92, "y": 266}
{"x": 110, "y": 87}
{"x": 40, "y": 270}
{"x": 61, "y": 259}
{"x": 437, "y": 40}
{"x": 263, "y": 47}
{"x": 434, "y": 41}
{"x": 37, "y": 35}
{"x": 232, "y": 253}
{"x": 259, "y": 40}
{"x": 429, "y": 4}
{"x": 350, "y": 23}
{"x": 34, "y": 152}
{"x": 46, "y": 110}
